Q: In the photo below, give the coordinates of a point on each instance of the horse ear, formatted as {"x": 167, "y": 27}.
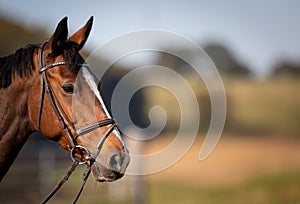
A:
{"x": 81, "y": 36}
{"x": 59, "y": 36}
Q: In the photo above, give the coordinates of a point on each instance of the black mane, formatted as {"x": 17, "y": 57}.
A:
{"x": 21, "y": 63}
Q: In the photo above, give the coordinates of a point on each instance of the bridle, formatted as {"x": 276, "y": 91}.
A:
{"x": 86, "y": 156}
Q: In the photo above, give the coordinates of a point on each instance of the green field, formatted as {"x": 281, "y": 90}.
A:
{"x": 280, "y": 188}
{"x": 271, "y": 189}
{"x": 266, "y": 107}
{"x": 241, "y": 170}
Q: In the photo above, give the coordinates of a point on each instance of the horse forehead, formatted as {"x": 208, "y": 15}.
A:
{"x": 91, "y": 82}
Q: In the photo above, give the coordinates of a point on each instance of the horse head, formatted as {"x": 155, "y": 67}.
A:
{"x": 69, "y": 108}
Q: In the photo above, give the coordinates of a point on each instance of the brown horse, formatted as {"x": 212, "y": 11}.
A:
{"x": 49, "y": 88}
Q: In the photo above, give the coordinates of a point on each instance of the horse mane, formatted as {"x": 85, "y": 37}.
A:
{"x": 21, "y": 63}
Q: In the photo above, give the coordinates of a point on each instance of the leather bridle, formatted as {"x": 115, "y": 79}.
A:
{"x": 86, "y": 157}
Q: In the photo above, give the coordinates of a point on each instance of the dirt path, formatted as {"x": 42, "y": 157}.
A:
{"x": 234, "y": 160}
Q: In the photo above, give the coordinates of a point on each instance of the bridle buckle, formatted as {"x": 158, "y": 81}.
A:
{"x": 83, "y": 151}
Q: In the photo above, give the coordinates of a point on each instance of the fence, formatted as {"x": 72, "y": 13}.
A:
{"x": 34, "y": 171}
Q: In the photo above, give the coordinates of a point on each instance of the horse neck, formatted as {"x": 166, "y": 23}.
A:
{"x": 15, "y": 125}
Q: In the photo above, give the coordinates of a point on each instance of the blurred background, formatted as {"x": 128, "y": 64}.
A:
{"x": 255, "y": 46}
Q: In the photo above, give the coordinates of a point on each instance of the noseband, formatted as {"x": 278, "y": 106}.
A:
{"x": 87, "y": 157}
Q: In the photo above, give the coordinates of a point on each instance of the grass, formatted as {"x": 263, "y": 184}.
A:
{"x": 269, "y": 106}
{"x": 271, "y": 189}
{"x": 274, "y": 181}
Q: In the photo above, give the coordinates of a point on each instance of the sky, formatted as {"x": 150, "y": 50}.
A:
{"x": 258, "y": 33}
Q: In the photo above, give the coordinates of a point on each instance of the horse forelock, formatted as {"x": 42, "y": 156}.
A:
{"x": 71, "y": 55}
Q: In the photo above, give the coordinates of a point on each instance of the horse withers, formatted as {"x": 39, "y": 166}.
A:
{"x": 49, "y": 88}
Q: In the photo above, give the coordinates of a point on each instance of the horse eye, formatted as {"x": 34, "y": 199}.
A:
{"x": 68, "y": 88}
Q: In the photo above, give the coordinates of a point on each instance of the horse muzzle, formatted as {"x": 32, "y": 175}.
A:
{"x": 111, "y": 168}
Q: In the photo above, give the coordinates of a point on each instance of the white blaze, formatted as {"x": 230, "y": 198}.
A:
{"x": 90, "y": 80}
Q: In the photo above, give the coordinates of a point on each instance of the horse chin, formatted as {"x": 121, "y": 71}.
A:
{"x": 102, "y": 174}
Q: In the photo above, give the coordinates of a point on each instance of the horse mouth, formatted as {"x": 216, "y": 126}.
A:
{"x": 102, "y": 174}
{"x": 110, "y": 167}
{"x": 104, "y": 179}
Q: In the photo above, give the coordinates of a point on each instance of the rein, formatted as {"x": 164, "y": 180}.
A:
{"x": 66, "y": 123}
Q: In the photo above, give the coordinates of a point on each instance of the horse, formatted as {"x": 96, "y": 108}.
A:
{"x": 38, "y": 87}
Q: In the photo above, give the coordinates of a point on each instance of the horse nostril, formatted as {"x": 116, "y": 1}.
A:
{"x": 118, "y": 162}
{"x": 115, "y": 162}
